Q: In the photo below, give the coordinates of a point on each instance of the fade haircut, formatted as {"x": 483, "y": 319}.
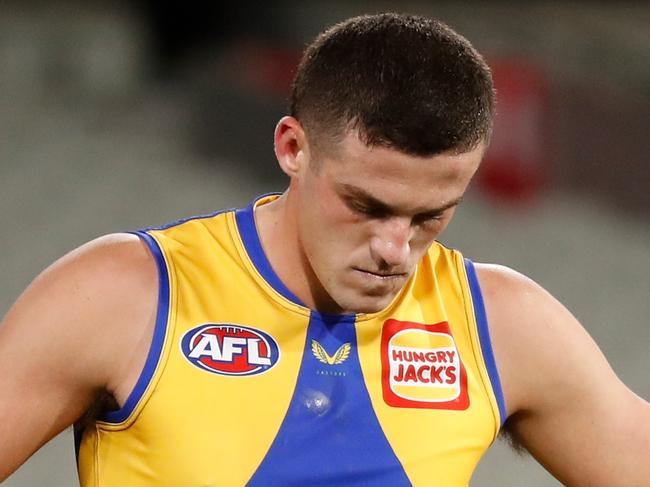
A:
{"x": 401, "y": 81}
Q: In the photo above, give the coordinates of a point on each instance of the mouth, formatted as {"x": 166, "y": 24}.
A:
{"x": 381, "y": 276}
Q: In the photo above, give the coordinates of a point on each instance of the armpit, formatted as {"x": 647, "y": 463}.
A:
{"x": 104, "y": 402}
{"x": 509, "y": 435}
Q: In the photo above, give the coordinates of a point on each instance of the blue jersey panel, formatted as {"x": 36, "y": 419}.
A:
{"x": 330, "y": 435}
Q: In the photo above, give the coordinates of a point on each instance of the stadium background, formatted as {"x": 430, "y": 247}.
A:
{"x": 117, "y": 115}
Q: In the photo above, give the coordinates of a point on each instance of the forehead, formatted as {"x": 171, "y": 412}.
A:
{"x": 397, "y": 178}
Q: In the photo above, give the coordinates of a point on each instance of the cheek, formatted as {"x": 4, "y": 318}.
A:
{"x": 335, "y": 239}
{"x": 332, "y": 233}
{"x": 329, "y": 212}
{"x": 319, "y": 227}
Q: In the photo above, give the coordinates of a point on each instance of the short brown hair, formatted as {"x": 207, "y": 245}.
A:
{"x": 403, "y": 81}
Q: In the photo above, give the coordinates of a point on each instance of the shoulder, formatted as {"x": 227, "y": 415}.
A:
{"x": 91, "y": 301}
{"x": 536, "y": 340}
{"x": 80, "y": 328}
{"x": 106, "y": 274}
{"x": 560, "y": 392}
{"x": 102, "y": 271}
{"x": 121, "y": 253}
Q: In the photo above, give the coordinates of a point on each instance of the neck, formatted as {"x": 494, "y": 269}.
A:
{"x": 277, "y": 227}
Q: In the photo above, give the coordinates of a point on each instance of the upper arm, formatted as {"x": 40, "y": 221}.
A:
{"x": 70, "y": 335}
{"x": 566, "y": 405}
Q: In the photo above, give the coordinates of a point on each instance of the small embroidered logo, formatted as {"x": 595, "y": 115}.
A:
{"x": 340, "y": 356}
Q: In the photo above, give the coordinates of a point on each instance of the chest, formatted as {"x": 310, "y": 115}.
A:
{"x": 306, "y": 400}
{"x": 248, "y": 388}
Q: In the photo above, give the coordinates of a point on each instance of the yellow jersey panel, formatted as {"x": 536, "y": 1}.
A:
{"x": 432, "y": 400}
{"x": 244, "y": 385}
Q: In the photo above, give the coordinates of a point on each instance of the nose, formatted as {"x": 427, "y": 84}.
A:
{"x": 390, "y": 245}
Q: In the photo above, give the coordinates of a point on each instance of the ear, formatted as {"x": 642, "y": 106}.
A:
{"x": 291, "y": 146}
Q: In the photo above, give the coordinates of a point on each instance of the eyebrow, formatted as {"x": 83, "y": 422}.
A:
{"x": 358, "y": 193}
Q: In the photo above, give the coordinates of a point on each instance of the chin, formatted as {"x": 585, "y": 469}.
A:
{"x": 365, "y": 304}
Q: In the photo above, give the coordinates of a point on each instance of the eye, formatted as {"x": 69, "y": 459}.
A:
{"x": 428, "y": 219}
{"x": 367, "y": 210}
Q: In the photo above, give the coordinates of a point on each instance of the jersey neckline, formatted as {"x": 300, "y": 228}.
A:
{"x": 245, "y": 218}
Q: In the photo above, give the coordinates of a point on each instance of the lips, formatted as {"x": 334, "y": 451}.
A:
{"x": 381, "y": 275}
{"x": 378, "y": 284}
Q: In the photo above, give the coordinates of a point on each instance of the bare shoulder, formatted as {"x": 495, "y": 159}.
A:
{"x": 99, "y": 298}
{"x": 531, "y": 329}
{"x": 74, "y": 332}
{"x": 99, "y": 262}
{"x": 565, "y": 404}
{"x": 89, "y": 290}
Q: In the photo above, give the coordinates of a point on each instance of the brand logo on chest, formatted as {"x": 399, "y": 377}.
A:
{"x": 340, "y": 356}
{"x": 421, "y": 367}
{"x": 230, "y": 349}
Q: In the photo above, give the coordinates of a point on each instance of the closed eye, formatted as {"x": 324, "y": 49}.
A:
{"x": 372, "y": 211}
{"x": 425, "y": 218}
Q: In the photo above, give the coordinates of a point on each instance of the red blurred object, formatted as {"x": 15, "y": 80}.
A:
{"x": 516, "y": 165}
{"x": 265, "y": 67}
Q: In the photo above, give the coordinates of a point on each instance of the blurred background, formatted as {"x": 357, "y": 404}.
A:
{"x": 123, "y": 114}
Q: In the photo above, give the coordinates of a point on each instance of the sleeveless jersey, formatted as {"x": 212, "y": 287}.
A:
{"x": 245, "y": 386}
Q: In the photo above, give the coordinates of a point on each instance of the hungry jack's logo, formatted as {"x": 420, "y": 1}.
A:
{"x": 421, "y": 367}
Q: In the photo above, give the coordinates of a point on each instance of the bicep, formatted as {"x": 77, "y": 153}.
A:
{"x": 602, "y": 439}
{"x": 54, "y": 355}
{"x": 567, "y": 406}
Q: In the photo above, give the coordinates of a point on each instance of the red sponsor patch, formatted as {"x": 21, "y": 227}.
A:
{"x": 421, "y": 367}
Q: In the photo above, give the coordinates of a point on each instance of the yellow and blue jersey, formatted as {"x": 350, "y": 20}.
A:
{"x": 245, "y": 386}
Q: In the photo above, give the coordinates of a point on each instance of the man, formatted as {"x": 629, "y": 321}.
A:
{"x": 321, "y": 336}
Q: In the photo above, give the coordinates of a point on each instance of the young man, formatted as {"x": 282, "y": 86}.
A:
{"x": 321, "y": 336}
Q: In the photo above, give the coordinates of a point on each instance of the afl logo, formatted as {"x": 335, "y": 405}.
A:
{"x": 229, "y": 349}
